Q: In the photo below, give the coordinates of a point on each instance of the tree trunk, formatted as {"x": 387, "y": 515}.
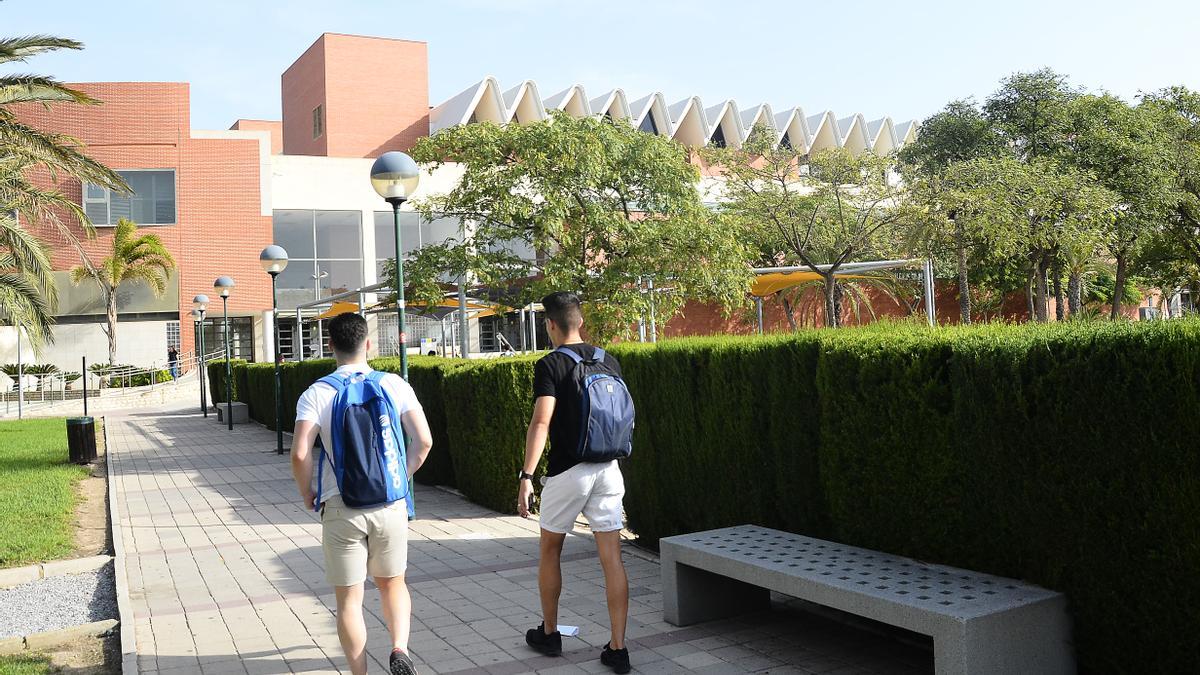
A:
{"x": 1119, "y": 288}
{"x": 1195, "y": 297}
{"x": 1059, "y": 304}
{"x": 838, "y": 295}
{"x": 1029, "y": 278}
{"x": 1074, "y": 293}
{"x": 790, "y": 313}
{"x": 831, "y": 317}
{"x": 964, "y": 290}
{"x": 111, "y": 317}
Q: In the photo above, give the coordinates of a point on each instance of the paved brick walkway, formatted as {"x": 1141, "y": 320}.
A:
{"x": 225, "y": 576}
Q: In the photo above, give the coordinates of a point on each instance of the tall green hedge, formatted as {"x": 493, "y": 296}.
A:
{"x": 1062, "y": 454}
{"x": 488, "y": 405}
{"x": 216, "y": 380}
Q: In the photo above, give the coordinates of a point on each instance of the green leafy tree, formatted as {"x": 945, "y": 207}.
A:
{"x": 958, "y": 133}
{"x": 1029, "y": 112}
{"x": 1173, "y": 255}
{"x": 27, "y": 291}
{"x": 1127, "y": 149}
{"x": 601, "y": 204}
{"x": 1032, "y": 210}
{"x": 134, "y": 257}
{"x": 820, "y": 211}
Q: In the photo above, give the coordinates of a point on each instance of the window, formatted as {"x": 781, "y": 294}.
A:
{"x": 152, "y": 201}
{"x": 415, "y": 233}
{"x": 173, "y": 334}
{"x": 786, "y": 141}
{"x": 318, "y": 121}
{"x": 324, "y": 251}
{"x": 648, "y": 125}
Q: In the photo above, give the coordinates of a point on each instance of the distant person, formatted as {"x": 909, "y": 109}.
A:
{"x": 173, "y": 361}
{"x": 583, "y": 476}
{"x": 361, "y": 417}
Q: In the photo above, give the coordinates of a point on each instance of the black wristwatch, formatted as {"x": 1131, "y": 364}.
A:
{"x": 521, "y": 475}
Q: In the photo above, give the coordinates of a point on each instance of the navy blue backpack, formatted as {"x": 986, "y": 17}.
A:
{"x": 606, "y": 431}
{"x": 368, "y": 454}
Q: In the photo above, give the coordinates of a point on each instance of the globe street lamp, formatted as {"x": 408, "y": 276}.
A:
{"x": 223, "y": 286}
{"x": 395, "y": 176}
{"x": 200, "y": 303}
{"x": 273, "y": 260}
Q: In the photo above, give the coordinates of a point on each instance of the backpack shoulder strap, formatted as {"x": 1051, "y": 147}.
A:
{"x": 334, "y": 380}
{"x": 376, "y": 376}
{"x": 570, "y": 354}
{"x": 598, "y": 357}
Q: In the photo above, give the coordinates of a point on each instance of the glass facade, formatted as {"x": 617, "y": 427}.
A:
{"x": 415, "y": 233}
{"x": 325, "y": 254}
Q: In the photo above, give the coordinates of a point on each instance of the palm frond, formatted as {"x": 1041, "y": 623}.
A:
{"x": 23, "y": 47}
{"x": 23, "y": 253}
{"x": 39, "y": 89}
{"x": 21, "y": 304}
{"x": 58, "y": 153}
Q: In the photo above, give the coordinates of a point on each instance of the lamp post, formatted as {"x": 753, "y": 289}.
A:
{"x": 395, "y": 177}
{"x": 273, "y": 260}
{"x": 223, "y": 286}
{"x": 200, "y": 305}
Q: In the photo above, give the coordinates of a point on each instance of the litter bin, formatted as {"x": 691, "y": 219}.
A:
{"x": 81, "y": 439}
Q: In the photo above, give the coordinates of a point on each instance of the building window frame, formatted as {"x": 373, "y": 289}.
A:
{"x": 97, "y": 195}
{"x": 318, "y": 121}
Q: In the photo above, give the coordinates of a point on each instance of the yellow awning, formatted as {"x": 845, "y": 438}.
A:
{"x": 338, "y": 308}
{"x": 773, "y": 282}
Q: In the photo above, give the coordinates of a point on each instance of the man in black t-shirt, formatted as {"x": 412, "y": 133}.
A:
{"x": 571, "y": 487}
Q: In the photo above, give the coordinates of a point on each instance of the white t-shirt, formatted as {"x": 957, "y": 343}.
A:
{"x": 316, "y": 405}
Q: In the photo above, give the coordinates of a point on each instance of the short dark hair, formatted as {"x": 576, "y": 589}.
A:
{"x": 347, "y": 333}
{"x": 562, "y": 307}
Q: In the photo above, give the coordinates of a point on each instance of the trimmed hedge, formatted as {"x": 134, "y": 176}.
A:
{"x": 1062, "y": 454}
{"x": 216, "y": 380}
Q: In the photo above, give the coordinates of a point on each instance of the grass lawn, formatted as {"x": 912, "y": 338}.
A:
{"x": 37, "y": 493}
{"x": 24, "y": 665}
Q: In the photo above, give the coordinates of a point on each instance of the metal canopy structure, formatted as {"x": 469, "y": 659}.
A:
{"x": 771, "y": 280}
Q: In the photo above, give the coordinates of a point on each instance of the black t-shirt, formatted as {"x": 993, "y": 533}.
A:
{"x": 554, "y": 375}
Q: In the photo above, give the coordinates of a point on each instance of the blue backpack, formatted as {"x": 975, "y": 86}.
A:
{"x": 368, "y": 455}
{"x": 606, "y": 429}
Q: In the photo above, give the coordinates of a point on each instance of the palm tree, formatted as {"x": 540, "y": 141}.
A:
{"x": 134, "y": 258}
{"x": 27, "y": 292}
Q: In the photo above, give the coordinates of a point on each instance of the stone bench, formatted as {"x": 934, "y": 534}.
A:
{"x": 980, "y": 624}
{"x": 241, "y": 412}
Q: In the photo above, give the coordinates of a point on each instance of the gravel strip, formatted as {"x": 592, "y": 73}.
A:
{"x": 58, "y": 602}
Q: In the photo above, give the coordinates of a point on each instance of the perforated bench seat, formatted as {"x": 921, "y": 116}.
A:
{"x": 979, "y": 623}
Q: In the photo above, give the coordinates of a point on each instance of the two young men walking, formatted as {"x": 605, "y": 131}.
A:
{"x": 358, "y": 478}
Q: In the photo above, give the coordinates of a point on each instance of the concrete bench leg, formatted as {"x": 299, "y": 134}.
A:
{"x": 1033, "y": 640}
{"x": 692, "y": 595}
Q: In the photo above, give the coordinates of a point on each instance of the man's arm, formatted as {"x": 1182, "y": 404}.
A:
{"x": 303, "y": 439}
{"x": 416, "y": 427}
{"x": 535, "y": 443}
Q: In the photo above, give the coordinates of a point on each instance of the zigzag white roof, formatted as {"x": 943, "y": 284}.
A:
{"x": 687, "y": 121}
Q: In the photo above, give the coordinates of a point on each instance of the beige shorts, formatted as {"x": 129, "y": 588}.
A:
{"x": 595, "y": 490}
{"x": 357, "y": 542}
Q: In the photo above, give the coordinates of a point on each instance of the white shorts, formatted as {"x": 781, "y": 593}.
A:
{"x": 356, "y": 542}
{"x": 595, "y": 490}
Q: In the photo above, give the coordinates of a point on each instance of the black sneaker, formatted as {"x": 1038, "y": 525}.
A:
{"x": 401, "y": 664}
{"x": 550, "y": 645}
{"x": 617, "y": 659}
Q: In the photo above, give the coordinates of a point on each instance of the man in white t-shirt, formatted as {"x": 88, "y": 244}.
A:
{"x": 360, "y": 541}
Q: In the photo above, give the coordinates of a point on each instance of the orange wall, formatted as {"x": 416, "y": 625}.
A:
{"x": 275, "y": 127}
{"x": 375, "y": 93}
{"x": 220, "y": 228}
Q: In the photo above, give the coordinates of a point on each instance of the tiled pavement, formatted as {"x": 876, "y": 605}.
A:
{"x": 225, "y": 576}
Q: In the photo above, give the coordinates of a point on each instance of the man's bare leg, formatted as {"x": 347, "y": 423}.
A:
{"x": 352, "y": 631}
{"x": 397, "y": 609}
{"x": 616, "y": 584}
{"x": 550, "y": 577}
